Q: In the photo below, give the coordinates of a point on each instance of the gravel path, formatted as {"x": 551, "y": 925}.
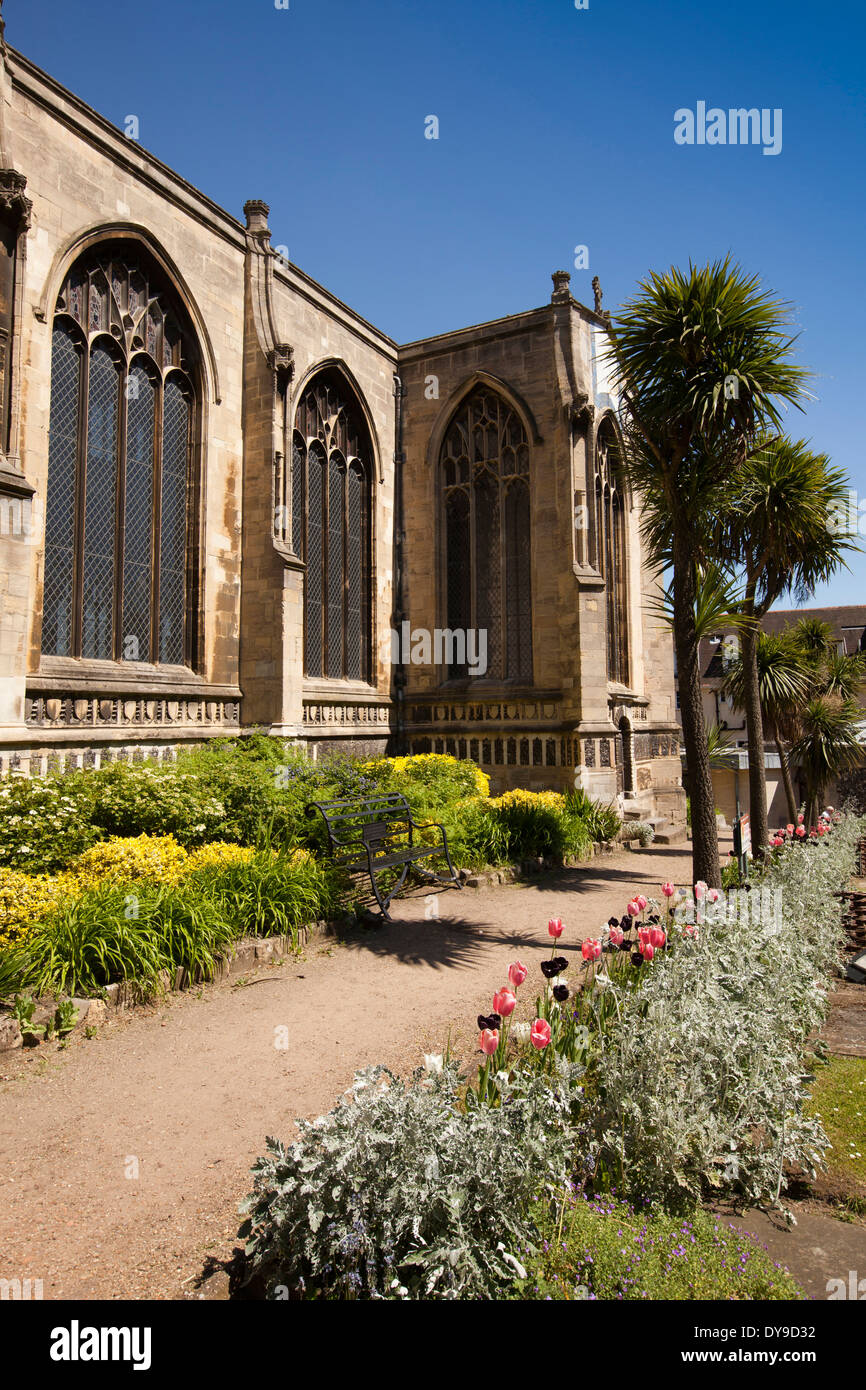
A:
{"x": 183, "y": 1093}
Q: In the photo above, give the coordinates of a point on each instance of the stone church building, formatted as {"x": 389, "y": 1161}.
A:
{"x": 229, "y": 502}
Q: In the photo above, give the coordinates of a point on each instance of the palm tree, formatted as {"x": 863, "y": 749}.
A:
{"x": 779, "y": 532}
{"x": 828, "y": 745}
{"x": 702, "y": 362}
{"x": 784, "y": 684}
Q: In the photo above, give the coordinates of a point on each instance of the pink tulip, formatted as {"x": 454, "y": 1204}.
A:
{"x": 713, "y": 895}
{"x": 657, "y": 937}
{"x": 700, "y": 889}
{"x": 633, "y": 908}
{"x": 616, "y": 936}
{"x": 690, "y": 930}
{"x": 790, "y": 829}
{"x": 591, "y": 949}
{"x": 822, "y": 829}
{"x": 539, "y": 1034}
{"x": 668, "y": 889}
{"x": 554, "y": 927}
{"x": 643, "y": 935}
{"x": 641, "y": 902}
{"x": 647, "y": 951}
{"x": 489, "y": 1041}
{"x": 777, "y": 841}
{"x": 800, "y": 818}
{"x": 801, "y": 832}
{"x": 517, "y": 973}
{"x": 813, "y": 832}
{"x": 503, "y": 1002}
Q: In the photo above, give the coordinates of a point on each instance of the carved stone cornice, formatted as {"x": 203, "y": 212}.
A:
{"x": 13, "y": 200}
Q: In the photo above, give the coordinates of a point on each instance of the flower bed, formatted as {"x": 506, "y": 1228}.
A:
{"x": 672, "y": 1070}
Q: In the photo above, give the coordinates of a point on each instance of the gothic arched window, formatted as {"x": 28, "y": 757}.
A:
{"x": 123, "y": 395}
{"x": 326, "y": 517}
{"x": 609, "y": 547}
{"x": 484, "y": 462}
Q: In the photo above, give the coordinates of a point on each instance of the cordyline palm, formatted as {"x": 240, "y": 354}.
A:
{"x": 778, "y": 531}
{"x": 702, "y": 361}
{"x": 828, "y": 745}
{"x": 784, "y": 684}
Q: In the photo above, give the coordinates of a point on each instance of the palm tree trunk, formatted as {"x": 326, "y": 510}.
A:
{"x": 787, "y": 778}
{"x": 755, "y": 738}
{"x": 705, "y": 840}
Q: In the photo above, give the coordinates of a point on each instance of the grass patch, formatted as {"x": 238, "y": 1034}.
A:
{"x": 839, "y": 1098}
{"x": 605, "y": 1249}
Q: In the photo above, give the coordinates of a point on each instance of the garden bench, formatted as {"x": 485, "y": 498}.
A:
{"x": 377, "y": 834}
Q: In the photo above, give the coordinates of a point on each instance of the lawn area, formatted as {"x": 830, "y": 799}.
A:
{"x": 839, "y": 1099}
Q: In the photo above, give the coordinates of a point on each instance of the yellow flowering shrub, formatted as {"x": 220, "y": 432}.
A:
{"x": 430, "y": 767}
{"x": 154, "y": 858}
{"x": 24, "y": 899}
{"x": 519, "y": 798}
{"x": 218, "y": 855}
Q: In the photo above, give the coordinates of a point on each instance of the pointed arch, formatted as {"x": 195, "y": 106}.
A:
{"x": 483, "y": 470}
{"x": 327, "y": 511}
{"x": 120, "y": 558}
{"x": 610, "y": 543}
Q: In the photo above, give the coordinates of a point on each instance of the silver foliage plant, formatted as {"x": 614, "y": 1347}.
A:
{"x": 704, "y": 1081}
{"x": 396, "y": 1193}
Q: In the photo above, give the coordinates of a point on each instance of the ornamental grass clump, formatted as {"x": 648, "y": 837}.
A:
{"x": 704, "y": 1082}
{"x": 398, "y": 1193}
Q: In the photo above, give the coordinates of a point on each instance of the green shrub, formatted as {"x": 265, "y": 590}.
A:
{"x": 44, "y": 822}
{"x": 604, "y": 1249}
{"x": 136, "y": 799}
{"x": 398, "y": 1194}
{"x": 601, "y": 819}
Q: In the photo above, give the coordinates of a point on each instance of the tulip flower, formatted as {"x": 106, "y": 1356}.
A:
{"x": 713, "y": 895}
{"x": 647, "y": 951}
{"x": 690, "y": 929}
{"x": 700, "y": 889}
{"x": 668, "y": 889}
{"x": 554, "y": 927}
{"x": 489, "y": 1021}
{"x": 800, "y": 818}
{"x": 616, "y": 936}
{"x": 657, "y": 937}
{"x": 643, "y": 935}
{"x": 822, "y": 829}
{"x": 777, "y": 841}
{"x": 551, "y": 968}
{"x": 591, "y": 948}
{"x": 560, "y": 993}
{"x": 504, "y": 1001}
{"x": 633, "y": 908}
{"x": 539, "y": 1034}
{"x": 790, "y": 829}
{"x": 489, "y": 1041}
{"x": 801, "y": 832}
{"x": 641, "y": 902}
{"x": 517, "y": 973}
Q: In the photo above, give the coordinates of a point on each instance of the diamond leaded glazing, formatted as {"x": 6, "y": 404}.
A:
{"x": 118, "y": 495}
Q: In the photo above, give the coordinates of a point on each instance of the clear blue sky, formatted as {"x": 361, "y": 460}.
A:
{"x": 556, "y": 129}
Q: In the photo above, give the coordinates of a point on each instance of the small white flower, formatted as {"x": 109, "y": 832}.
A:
{"x": 433, "y": 1061}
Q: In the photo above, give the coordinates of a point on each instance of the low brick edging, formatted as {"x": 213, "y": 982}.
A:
{"x": 249, "y": 952}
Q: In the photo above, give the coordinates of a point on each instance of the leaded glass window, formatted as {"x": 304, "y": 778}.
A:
{"x": 325, "y": 508}
{"x": 123, "y": 394}
{"x": 609, "y": 549}
{"x": 484, "y": 471}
